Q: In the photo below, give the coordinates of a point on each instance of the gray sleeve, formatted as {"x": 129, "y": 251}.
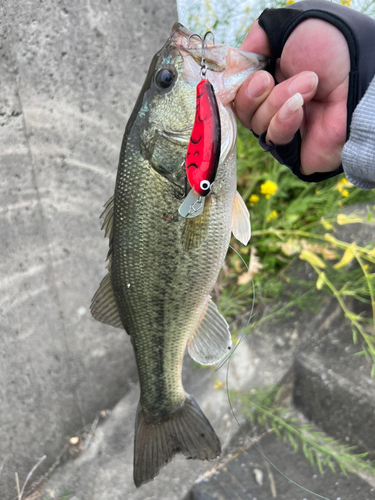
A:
{"x": 358, "y": 156}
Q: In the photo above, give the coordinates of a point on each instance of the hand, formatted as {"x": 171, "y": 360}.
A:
{"x": 313, "y": 70}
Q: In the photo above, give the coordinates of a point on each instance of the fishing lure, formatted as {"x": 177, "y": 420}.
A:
{"x": 203, "y": 153}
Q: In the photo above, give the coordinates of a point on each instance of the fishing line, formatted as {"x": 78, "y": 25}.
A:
{"x": 228, "y": 359}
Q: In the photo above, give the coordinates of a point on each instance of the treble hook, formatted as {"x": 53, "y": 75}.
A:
{"x": 203, "y": 40}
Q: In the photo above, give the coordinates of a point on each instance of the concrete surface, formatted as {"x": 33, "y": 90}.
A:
{"x": 334, "y": 388}
{"x": 105, "y": 471}
{"x": 70, "y": 74}
{"x": 239, "y": 478}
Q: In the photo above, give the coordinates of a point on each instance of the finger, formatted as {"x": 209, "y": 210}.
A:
{"x": 304, "y": 83}
{"x": 327, "y": 129}
{"x": 256, "y": 41}
{"x": 286, "y": 122}
{"x": 251, "y": 95}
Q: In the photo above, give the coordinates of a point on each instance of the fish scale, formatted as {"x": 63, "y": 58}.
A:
{"x": 150, "y": 308}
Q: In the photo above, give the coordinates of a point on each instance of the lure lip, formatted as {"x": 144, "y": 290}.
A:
{"x": 192, "y": 206}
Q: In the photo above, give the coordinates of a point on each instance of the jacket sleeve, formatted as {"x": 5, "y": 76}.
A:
{"x": 358, "y": 156}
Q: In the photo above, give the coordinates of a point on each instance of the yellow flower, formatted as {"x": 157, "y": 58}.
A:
{"x": 272, "y": 215}
{"x": 269, "y": 188}
{"x": 254, "y": 198}
{"x": 366, "y": 266}
{"x": 346, "y": 2}
{"x": 342, "y": 185}
{"x": 289, "y": 2}
{"x": 345, "y": 193}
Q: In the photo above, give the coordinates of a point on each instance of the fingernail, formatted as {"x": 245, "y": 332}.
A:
{"x": 258, "y": 85}
{"x": 304, "y": 83}
{"x": 290, "y": 106}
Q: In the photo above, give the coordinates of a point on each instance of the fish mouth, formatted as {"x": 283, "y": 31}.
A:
{"x": 218, "y": 57}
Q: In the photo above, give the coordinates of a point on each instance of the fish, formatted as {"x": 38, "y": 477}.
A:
{"x": 162, "y": 266}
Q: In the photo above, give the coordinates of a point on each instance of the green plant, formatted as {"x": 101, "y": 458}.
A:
{"x": 262, "y": 409}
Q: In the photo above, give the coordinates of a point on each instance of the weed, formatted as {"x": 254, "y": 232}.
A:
{"x": 262, "y": 409}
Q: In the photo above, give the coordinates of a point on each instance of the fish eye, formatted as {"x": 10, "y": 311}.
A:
{"x": 164, "y": 78}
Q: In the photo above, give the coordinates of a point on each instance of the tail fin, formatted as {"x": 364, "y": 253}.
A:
{"x": 156, "y": 442}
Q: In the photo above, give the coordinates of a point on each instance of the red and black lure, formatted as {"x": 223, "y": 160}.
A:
{"x": 203, "y": 153}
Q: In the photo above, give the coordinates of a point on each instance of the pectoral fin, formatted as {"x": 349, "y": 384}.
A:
{"x": 241, "y": 228}
{"x": 211, "y": 341}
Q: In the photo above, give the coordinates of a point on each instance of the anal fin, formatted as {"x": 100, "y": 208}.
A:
{"x": 211, "y": 340}
{"x": 103, "y": 305}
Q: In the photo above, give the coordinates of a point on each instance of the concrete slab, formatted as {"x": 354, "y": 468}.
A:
{"x": 70, "y": 75}
{"x": 334, "y": 388}
{"x": 105, "y": 471}
{"x": 247, "y": 476}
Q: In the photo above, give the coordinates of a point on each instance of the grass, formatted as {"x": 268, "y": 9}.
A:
{"x": 292, "y": 220}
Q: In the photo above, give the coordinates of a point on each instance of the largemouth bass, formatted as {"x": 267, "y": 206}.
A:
{"x": 162, "y": 267}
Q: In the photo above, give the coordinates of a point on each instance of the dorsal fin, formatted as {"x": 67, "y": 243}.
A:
{"x": 211, "y": 340}
{"x": 107, "y": 225}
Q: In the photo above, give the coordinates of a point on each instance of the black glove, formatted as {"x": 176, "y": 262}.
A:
{"x": 359, "y": 32}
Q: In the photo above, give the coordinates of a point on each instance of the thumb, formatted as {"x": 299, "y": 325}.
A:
{"x": 256, "y": 41}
